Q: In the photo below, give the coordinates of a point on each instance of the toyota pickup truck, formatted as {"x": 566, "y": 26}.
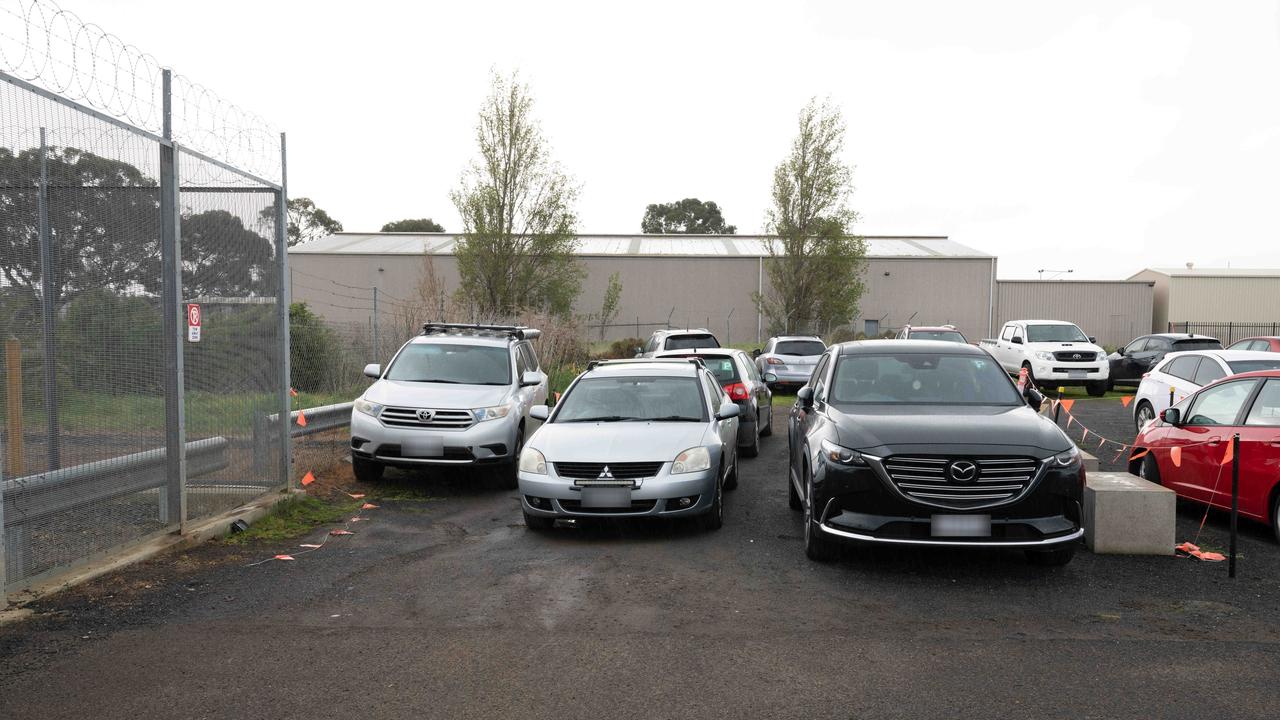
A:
{"x": 1053, "y": 352}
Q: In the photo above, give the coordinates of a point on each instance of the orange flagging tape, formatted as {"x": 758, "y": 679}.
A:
{"x": 341, "y": 532}
{"x": 1126, "y": 400}
{"x": 302, "y": 419}
{"x": 293, "y": 393}
{"x": 308, "y": 479}
{"x": 283, "y": 557}
{"x": 1229, "y": 454}
{"x": 355, "y": 496}
{"x": 313, "y": 546}
{"x": 368, "y": 506}
{"x": 1195, "y": 552}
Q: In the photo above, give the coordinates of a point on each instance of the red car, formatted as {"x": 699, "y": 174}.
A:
{"x": 1202, "y": 426}
{"x": 1265, "y": 344}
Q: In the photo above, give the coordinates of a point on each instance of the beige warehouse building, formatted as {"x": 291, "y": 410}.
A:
{"x": 1214, "y": 296}
{"x": 694, "y": 280}
{"x": 1113, "y": 311}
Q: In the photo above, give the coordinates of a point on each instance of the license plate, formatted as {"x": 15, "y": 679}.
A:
{"x": 428, "y": 446}
{"x": 1077, "y": 374}
{"x": 606, "y": 497}
{"x": 961, "y": 526}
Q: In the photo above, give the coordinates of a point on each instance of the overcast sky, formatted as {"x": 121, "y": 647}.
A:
{"x": 1099, "y": 136}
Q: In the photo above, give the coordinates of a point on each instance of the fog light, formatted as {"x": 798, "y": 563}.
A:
{"x": 685, "y": 502}
{"x": 537, "y": 502}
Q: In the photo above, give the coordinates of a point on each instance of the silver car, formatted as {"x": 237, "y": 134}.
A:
{"x": 629, "y": 438}
{"x": 686, "y": 339}
{"x": 737, "y": 374}
{"x": 788, "y": 360}
{"x": 456, "y": 395}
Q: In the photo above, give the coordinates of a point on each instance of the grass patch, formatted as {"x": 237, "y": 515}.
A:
{"x": 293, "y": 517}
{"x": 1079, "y": 393}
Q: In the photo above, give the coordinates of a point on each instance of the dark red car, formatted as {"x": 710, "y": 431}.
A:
{"x": 1265, "y": 344}
{"x": 1201, "y": 426}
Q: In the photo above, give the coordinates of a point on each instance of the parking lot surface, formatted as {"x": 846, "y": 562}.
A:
{"x": 445, "y": 606}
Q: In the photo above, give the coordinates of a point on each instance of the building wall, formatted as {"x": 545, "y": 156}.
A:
{"x": 1238, "y": 299}
{"x": 1159, "y": 298}
{"x": 1112, "y": 311}
{"x": 928, "y": 291}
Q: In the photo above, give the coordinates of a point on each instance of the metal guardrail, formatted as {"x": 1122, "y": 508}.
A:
{"x": 319, "y": 419}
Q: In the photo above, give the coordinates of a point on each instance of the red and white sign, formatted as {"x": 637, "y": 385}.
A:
{"x": 193, "y": 322}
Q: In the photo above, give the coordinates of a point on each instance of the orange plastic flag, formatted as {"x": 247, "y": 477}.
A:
{"x": 1066, "y": 404}
{"x": 1126, "y": 400}
{"x": 356, "y": 519}
{"x": 1175, "y": 454}
{"x": 1230, "y": 454}
{"x": 293, "y": 393}
{"x": 1070, "y": 418}
{"x": 283, "y": 557}
{"x": 341, "y": 532}
{"x": 309, "y": 545}
{"x": 1138, "y": 453}
{"x": 308, "y": 479}
{"x": 302, "y": 419}
{"x": 1085, "y": 435}
{"x": 1102, "y": 442}
{"x": 368, "y": 506}
{"x": 356, "y": 496}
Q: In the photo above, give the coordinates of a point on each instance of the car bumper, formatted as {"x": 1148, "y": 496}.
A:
{"x": 1070, "y": 373}
{"x": 859, "y": 505}
{"x": 483, "y": 443}
{"x": 655, "y": 496}
{"x": 790, "y": 375}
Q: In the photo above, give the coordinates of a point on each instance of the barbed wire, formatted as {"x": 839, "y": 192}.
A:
{"x": 54, "y": 48}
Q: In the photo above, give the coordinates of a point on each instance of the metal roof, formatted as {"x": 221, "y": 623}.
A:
{"x": 351, "y": 243}
{"x": 1214, "y": 272}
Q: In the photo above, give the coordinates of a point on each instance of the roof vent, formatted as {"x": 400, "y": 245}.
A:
{"x": 1190, "y": 265}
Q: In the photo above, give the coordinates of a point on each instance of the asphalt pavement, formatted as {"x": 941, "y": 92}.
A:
{"x": 443, "y": 605}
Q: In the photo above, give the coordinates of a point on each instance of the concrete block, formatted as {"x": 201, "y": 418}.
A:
{"x": 1126, "y": 515}
{"x": 1090, "y": 462}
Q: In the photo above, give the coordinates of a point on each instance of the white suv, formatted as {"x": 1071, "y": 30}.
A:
{"x": 454, "y": 395}
{"x": 1181, "y": 374}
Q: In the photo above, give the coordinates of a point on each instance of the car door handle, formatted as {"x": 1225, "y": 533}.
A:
{"x": 1275, "y": 442}
{"x": 1215, "y": 442}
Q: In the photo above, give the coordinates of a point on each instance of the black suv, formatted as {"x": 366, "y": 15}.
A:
{"x": 929, "y": 443}
{"x": 1131, "y": 362}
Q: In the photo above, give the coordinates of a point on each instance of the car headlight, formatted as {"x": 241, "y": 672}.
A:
{"x": 691, "y": 460}
{"x": 1068, "y": 458}
{"x": 841, "y": 455}
{"x": 532, "y": 461}
{"x": 493, "y": 413}
{"x": 1041, "y": 355}
{"x": 367, "y": 407}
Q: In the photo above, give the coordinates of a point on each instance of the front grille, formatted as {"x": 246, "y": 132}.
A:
{"x": 637, "y": 506}
{"x": 1070, "y": 356}
{"x": 622, "y": 473}
{"x": 929, "y": 480}
{"x": 408, "y": 418}
{"x": 450, "y": 453}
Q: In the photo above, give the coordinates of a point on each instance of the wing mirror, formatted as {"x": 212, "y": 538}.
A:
{"x": 755, "y": 353}
{"x": 532, "y": 377}
{"x": 728, "y": 410}
{"x": 805, "y": 397}
{"x": 1171, "y": 416}
{"x": 373, "y": 370}
{"x": 1093, "y": 340}
{"x": 770, "y": 377}
{"x": 1017, "y": 340}
{"x": 542, "y": 412}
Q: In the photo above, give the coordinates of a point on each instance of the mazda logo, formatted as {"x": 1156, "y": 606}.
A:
{"x": 426, "y": 415}
{"x": 963, "y": 471}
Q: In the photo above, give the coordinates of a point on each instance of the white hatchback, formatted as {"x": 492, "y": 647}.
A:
{"x": 1181, "y": 374}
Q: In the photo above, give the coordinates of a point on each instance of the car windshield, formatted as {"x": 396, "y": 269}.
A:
{"x": 921, "y": 379}
{"x": 802, "y": 348}
{"x": 453, "y": 364}
{"x": 633, "y": 398}
{"x": 691, "y": 342}
{"x": 1184, "y": 345}
{"x": 1244, "y": 366}
{"x": 944, "y": 335}
{"x": 1055, "y": 333}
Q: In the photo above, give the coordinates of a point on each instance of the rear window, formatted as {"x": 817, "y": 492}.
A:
{"x": 691, "y": 342}
{"x": 723, "y": 368}
{"x": 1184, "y": 345}
{"x": 944, "y": 335}
{"x": 801, "y": 348}
{"x": 1243, "y": 366}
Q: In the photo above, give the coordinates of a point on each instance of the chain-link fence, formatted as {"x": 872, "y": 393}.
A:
{"x": 126, "y": 216}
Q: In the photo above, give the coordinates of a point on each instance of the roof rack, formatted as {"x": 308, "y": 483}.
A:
{"x": 696, "y": 361}
{"x": 515, "y": 332}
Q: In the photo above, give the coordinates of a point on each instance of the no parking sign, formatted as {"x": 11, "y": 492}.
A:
{"x": 193, "y": 322}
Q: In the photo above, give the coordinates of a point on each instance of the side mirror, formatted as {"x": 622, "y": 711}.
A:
{"x": 728, "y": 410}
{"x": 770, "y": 377}
{"x": 755, "y": 353}
{"x": 373, "y": 370}
{"x": 1017, "y": 340}
{"x": 805, "y": 397}
{"x": 1093, "y": 340}
{"x": 639, "y": 352}
{"x": 1172, "y": 416}
{"x": 532, "y": 377}
{"x": 540, "y": 412}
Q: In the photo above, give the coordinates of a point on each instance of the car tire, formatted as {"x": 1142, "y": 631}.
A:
{"x": 509, "y": 472}
{"x": 1275, "y": 516}
{"x": 816, "y": 545}
{"x": 537, "y": 523}
{"x": 367, "y": 470}
{"x": 713, "y": 518}
{"x": 1096, "y": 389}
{"x": 794, "y": 501}
{"x": 768, "y": 428}
{"x": 1149, "y": 470}
{"x": 1143, "y": 414}
{"x": 1051, "y": 558}
{"x": 731, "y": 482}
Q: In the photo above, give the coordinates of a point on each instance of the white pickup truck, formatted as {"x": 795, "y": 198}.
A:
{"x": 1054, "y": 353}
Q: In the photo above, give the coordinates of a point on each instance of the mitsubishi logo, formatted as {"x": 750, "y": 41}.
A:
{"x": 605, "y": 474}
{"x": 963, "y": 471}
{"x": 426, "y": 415}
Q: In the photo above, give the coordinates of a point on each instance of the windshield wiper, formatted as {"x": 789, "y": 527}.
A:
{"x": 675, "y": 418}
{"x": 602, "y": 418}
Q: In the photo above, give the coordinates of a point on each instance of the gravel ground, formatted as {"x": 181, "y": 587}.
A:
{"x": 446, "y": 606}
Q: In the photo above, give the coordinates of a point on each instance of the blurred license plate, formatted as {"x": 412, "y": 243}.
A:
{"x": 1077, "y": 374}
{"x": 606, "y": 497}
{"x": 961, "y": 526}
{"x": 422, "y": 447}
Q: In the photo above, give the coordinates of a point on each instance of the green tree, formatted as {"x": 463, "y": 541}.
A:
{"x": 815, "y": 266}
{"x": 689, "y": 216}
{"x": 311, "y": 349}
{"x": 306, "y": 221}
{"x": 419, "y": 225}
{"x": 612, "y": 300}
{"x": 517, "y": 245}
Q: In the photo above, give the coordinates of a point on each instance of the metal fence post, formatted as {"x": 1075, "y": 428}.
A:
{"x": 375, "y": 325}
{"x": 4, "y": 576}
{"x": 174, "y": 494}
{"x": 49, "y": 293}
{"x": 282, "y": 317}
